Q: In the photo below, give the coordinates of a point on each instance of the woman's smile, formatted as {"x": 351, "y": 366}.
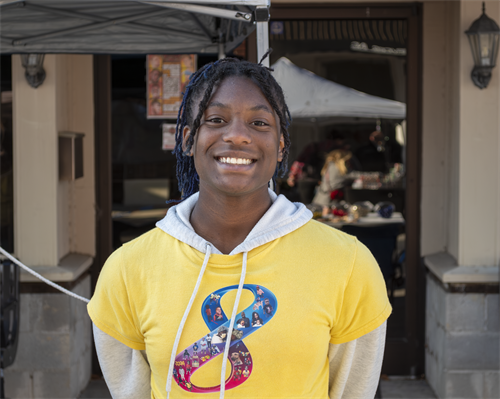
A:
{"x": 234, "y": 161}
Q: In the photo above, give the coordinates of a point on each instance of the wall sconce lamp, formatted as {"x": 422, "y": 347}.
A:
{"x": 484, "y": 35}
{"x": 33, "y": 63}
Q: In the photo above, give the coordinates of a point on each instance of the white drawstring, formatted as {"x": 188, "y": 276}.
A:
{"x": 184, "y": 318}
{"x": 231, "y": 324}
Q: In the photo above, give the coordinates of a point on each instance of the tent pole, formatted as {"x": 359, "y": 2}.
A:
{"x": 262, "y": 41}
{"x": 222, "y": 53}
{"x": 212, "y": 11}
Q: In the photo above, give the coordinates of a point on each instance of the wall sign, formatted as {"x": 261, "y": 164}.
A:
{"x": 167, "y": 77}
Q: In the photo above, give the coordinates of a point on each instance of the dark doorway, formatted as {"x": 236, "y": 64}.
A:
{"x": 376, "y": 50}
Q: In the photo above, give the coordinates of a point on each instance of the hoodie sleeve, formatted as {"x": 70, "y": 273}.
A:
{"x": 355, "y": 366}
{"x": 126, "y": 370}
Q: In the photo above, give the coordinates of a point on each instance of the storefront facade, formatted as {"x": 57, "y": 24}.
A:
{"x": 63, "y": 228}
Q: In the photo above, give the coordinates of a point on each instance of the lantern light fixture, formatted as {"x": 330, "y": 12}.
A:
{"x": 33, "y": 64}
{"x": 484, "y": 36}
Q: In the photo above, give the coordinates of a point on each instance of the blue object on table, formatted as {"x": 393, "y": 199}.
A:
{"x": 385, "y": 209}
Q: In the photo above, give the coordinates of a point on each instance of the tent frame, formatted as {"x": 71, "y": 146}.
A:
{"x": 242, "y": 14}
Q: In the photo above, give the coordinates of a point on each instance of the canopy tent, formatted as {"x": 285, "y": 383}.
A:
{"x": 311, "y": 96}
{"x": 131, "y": 26}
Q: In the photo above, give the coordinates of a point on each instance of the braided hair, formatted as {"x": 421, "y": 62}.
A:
{"x": 200, "y": 89}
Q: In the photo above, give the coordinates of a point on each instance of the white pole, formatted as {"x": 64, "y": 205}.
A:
{"x": 222, "y": 53}
{"x": 262, "y": 41}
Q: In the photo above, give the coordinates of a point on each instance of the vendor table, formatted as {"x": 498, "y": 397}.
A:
{"x": 372, "y": 219}
{"x": 139, "y": 218}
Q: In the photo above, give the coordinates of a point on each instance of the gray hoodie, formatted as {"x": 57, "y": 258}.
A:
{"x": 354, "y": 366}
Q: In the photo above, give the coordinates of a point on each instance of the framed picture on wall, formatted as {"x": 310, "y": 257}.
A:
{"x": 168, "y": 136}
{"x": 167, "y": 77}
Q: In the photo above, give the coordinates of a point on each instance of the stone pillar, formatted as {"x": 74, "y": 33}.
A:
{"x": 461, "y": 341}
{"x": 52, "y": 218}
{"x": 460, "y": 207}
{"x": 478, "y": 241}
{"x": 54, "y": 354}
{"x": 54, "y": 227}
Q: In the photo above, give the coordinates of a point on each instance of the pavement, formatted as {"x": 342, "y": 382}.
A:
{"x": 397, "y": 387}
{"x": 390, "y": 388}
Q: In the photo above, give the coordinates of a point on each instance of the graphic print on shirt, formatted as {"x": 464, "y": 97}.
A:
{"x": 208, "y": 347}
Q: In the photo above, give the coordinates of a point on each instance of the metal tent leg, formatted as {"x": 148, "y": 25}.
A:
{"x": 262, "y": 31}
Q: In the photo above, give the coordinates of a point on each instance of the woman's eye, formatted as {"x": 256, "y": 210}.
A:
{"x": 260, "y": 123}
{"x": 216, "y": 120}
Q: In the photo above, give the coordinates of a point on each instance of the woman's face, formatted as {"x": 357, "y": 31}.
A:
{"x": 239, "y": 143}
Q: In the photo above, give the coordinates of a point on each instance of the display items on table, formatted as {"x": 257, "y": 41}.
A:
{"x": 360, "y": 213}
{"x": 360, "y": 209}
{"x": 167, "y": 77}
{"x": 377, "y": 180}
{"x": 385, "y": 209}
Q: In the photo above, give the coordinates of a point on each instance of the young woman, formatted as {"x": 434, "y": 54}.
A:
{"x": 232, "y": 235}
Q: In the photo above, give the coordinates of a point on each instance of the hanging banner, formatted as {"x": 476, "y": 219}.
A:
{"x": 167, "y": 78}
{"x": 168, "y": 136}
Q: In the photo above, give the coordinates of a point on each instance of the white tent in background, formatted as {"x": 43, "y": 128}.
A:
{"x": 311, "y": 96}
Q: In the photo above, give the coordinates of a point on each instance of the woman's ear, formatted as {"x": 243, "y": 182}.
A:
{"x": 281, "y": 147}
{"x": 185, "y": 135}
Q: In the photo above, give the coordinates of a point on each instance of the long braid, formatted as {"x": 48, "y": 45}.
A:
{"x": 199, "y": 92}
{"x": 284, "y": 119}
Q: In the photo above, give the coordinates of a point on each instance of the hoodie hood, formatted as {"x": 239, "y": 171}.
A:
{"x": 281, "y": 218}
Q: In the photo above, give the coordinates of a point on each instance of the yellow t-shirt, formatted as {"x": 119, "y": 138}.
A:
{"x": 315, "y": 286}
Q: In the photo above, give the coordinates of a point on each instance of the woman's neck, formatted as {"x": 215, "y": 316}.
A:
{"x": 225, "y": 221}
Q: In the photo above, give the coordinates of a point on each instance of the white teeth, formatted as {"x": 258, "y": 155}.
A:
{"x": 235, "y": 161}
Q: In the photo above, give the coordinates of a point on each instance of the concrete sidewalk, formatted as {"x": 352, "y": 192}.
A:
{"x": 405, "y": 388}
{"x": 391, "y": 388}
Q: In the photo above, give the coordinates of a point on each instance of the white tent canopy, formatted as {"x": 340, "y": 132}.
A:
{"x": 311, "y": 96}
{"x": 129, "y": 26}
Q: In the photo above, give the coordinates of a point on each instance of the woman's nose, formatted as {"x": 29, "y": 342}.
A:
{"x": 237, "y": 132}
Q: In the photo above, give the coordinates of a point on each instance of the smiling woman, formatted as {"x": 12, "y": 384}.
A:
{"x": 232, "y": 235}
{"x": 211, "y": 90}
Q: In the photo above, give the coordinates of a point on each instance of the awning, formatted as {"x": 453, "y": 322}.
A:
{"x": 128, "y": 26}
{"x": 375, "y": 36}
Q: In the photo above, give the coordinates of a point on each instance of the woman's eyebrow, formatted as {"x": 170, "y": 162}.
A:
{"x": 217, "y": 104}
{"x": 259, "y": 107}
{"x": 262, "y": 107}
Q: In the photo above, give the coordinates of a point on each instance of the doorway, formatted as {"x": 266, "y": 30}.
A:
{"x": 375, "y": 50}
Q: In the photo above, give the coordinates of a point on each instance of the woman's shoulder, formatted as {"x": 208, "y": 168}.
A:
{"x": 152, "y": 244}
{"x": 327, "y": 244}
{"x": 146, "y": 241}
{"x": 323, "y": 234}
{"x": 141, "y": 250}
